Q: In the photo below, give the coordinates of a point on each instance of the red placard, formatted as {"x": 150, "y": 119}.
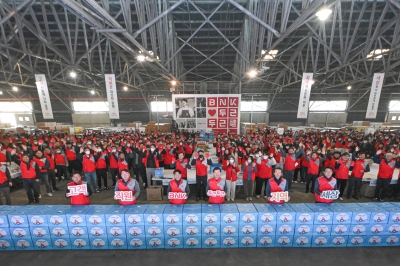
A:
{"x": 212, "y": 123}
{"x": 222, "y": 112}
{"x": 233, "y": 101}
{"x": 233, "y": 112}
{"x": 222, "y": 123}
{"x": 212, "y": 102}
{"x": 222, "y": 101}
{"x": 232, "y": 123}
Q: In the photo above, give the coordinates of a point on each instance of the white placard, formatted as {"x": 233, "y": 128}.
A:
{"x": 78, "y": 189}
{"x": 302, "y": 111}
{"x": 123, "y": 195}
{"x": 280, "y": 130}
{"x": 374, "y": 96}
{"x": 44, "y": 98}
{"x": 112, "y": 97}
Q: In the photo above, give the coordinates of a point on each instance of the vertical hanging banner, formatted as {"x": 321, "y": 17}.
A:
{"x": 302, "y": 111}
{"x": 374, "y": 96}
{"x": 44, "y": 98}
{"x": 112, "y": 97}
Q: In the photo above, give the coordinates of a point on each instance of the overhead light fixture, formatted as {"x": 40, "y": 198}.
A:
{"x": 376, "y": 54}
{"x": 349, "y": 87}
{"x": 270, "y": 56}
{"x": 15, "y": 88}
{"x": 312, "y": 82}
{"x": 92, "y": 92}
{"x": 252, "y": 73}
{"x": 173, "y": 83}
{"x": 324, "y": 13}
{"x": 125, "y": 88}
{"x": 1, "y": 92}
{"x": 141, "y": 58}
{"x": 72, "y": 74}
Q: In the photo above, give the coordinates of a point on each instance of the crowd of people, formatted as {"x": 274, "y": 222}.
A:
{"x": 269, "y": 162}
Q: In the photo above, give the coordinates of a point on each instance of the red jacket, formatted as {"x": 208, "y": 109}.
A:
{"x": 201, "y": 169}
{"x": 180, "y": 189}
{"x": 89, "y": 164}
{"x": 245, "y": 173}
{"x": 41, "y": 162}
{"x": 322, "y": 185}
{"x": 120, "y": 186}
{"x": 182, "y": 166}
{"x": 343, "y": 171}
{"x": 79, "y": 199}
{"x": 28, "y": 173}
{"x": 359, "y": 167}
{"x": 122, "y": 164}
{"x": 3, "y": 174}
{"x": 215, "y": 185}
{"x": 60, "y": 159}
{"x": 50, "y": 157}
{"x": 386, "y": 169}
{"x": 71, "y": 154}
{"x": 275, "y": 187}
{"x": 313, "y": 166}
{"x": 101, "y": 162}
{"x": 264, "y": 168}
{"x": 155, "y": 160}
{"x": 113, "y": 161}
{"x": 290, "y": 162}
{"x": 231, "y": 172}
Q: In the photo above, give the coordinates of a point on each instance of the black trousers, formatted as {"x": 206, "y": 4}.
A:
{"x": 382, "y": 188}
{"x": 52, "y": 178}
{"x": 114, "y": 174}
{"x": 201, "y": 184}
{"x": 303, "y": 173}
{"x": 61, "y": 171}
{"x": 74, "y": 166}
{"x": 29, "y": 185}
{"x": 310, "y": 179}
{"x": 296, "y": 173}
{"x": 101, "y": 174}
{"x": 341, "y": 185}
{"x": 354, "y": 184}
{"x": 288, "y": 175}
{"x": 260, "y": 183}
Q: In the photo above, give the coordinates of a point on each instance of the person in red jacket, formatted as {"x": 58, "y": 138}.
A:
{"x": 231, "y": 170}
{"x": 324, "y": 183}
{"x": 216, "y": 188}
{"x": 249, "y": 169}
{"x": 276, "y": 184}
{"x": 385, "y": 174}
{"x": 360, "y": 166}
{"x": 342, "y": 167}
{"x": 5, "y": 183}
{"x": 290, "y": 162}
{"x": 178, "y": 185}
{"x": 73, "y": 164}
{"x": 201, "y": 164}
{"x": 314, "y": 162}
{"x": 89, "y": 166}
{"x": 51, "y": 172}
{"x": 82, "y": 198}
{"x": 182, "y": 164}
{"x": 264, "y": 171}
{"x": 113, "y": 157}
{"x": 126, "y": 183}
{"x": 43, "y": 164}
{"x": 61, "y": 163}
{"x": 169, "y": 156}
{"x": 101, "y": 167}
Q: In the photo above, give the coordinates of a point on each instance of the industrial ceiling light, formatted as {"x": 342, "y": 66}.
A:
{"x": 270, "y": 56}
{"x": 349, "y": 87}
{"x": 140, "y": 58}
{"x": 72, "y": 74}
{"x": 312, "y": 82}
{"x": 125, "y": 88}
{"x": 252, "y": 73}
{"x": 1, "y": 92}
{"x": 173, "y": 83}
{"x": 15, "y": 88}
{"x": 92, "y": 92}
{"x": 376, "y": 54}
{"x": 323, "y": 13}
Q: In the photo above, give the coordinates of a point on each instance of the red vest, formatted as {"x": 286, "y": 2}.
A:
{"x": 71, "y": 154}
{"x": 324, "y": 185}
{"x": 179, "y": 166}
{"x": 231, "y": 172}
{"x": 245, "y": 173}
{"x": 155, "y": 160}
{"x": 290, "y": 162}
{"x": 168, "y": 157}
{"x": 188, "y": 149}
{"x": 386, "y": 169}
{"x": 215, "y": 185}
{"x": 358, "y": 166}
{"x": 41, "y": 162}
{"x": 80, "y": 199}
{"x": 89, "y": 164}
{"x": 264, "y": 170}
{"x": 3, "y": 175}
{"x": 313, "y": 166}
{"x": 3, "y": 157}
{"x": 129, "y": 187}
{"x": 122, "y": 164}
{"x": 275, "y": 187}
{"x": 343, "y": 171}
{"x": 59, "y": 159}
{"x": 201, "y": 169}
{"x": 330, "y": 162}
{"x": 113, "y": 162}
{"x": 50, "y": 158}
{"x": 175, "y": 188}
{"x": 28, "y": 173}
{"x": 101, "y": 162}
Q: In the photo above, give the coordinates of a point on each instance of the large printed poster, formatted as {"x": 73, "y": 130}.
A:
{"x": 217, "y": 112}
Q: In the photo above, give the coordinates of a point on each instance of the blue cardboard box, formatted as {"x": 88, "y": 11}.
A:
{"x": 339, "y": 241}
{"x": 302, "y": 241}
{"x": 173, "y": 231}
{"x": 304, "y": 214}
{"x": 116, "y": 216}
{"x": 4, "y": 218}
{"x": 230, "y": 230}
{"x": 228, "y": 206}
{"x": 374, "y": 241}
{"x": 356, "y": 241}
{"x": 229, "y": 242}
{"x": 322, "y": 214}
{"x": 23, "y": 244}
{"x": 285, "y": 214}
{"x": 360, "y": 215}
{"x": 78, "y": 232}
{"x": 80, "y": 244}
{"x": 38, "y": 218}
{"x": 135, "y": 231}
{"x": 172, "y": 216}
{"x": 192, "y": 242}
{"x": 59, "y": 232}
{"x": 377, "y": 229}
{"x": 117, "y": 243}
{"x": 321, "y": 241}
{"x": 191, "y": 216}
{"x": 283, "y": 241}
{"x": 6, "y": 244}
{"x": 57, "y": 217}
{"x": 42, "y": 244}
{"x": 155, "y": 242}
{"x": 136, "y": 242}
{"x": 76, "y": 216}
{"x": 229, "y": 216}
{"x": 266, "y": 229}
{"x": 378, "y": 215}
{"x": 20, "y": 233}
{"x": 173, "y": 242}
{"x": 266, "y": 241}
{"x": 247, "y": 230}
{"x": 245, "y": 205}
{"x": 386, "y": 204}
{"x": 394, "y": 214}
{"x": 393, "y": 228}
{"x": 192, "y": 206}
{"x": 248, "y": 241}
{"x": 369, "y": 205}
{"x": 266, "y": 215}
{"x": 322, "y": 229}
{"x": 154, "y": 230}
{"x": 5, "y": 233}
{"x": 153, "y": 216}
{"x": 134, "y": 215}
{"x": 39, "y": 232}
{"x": 358, "y": 230}
{"x": 18, "y": 218}
{"x": 61, "y": 243}
{"x": 302, "y": 229}
{"x": 341, "y": 215}
{"x": 211, "y": 230}
{"x": 210, "y": 216}
{"x": 159, "y": 172}
{"x": 285, "y": 229}
{"x": 98, "y": 243}
{"x": 97, "y": 231}
{"x": 191, "y": 230}
{"x": 340, "y": 230}
{"x": 174, "y": 207}
{"x": 96, "y": 217}
{"x": 211, "y": 241}
{"x": 390, "y": 240}
{"x": 157, "y": 206}
{"x": 116, "y": 231}
{"x": 248, "y": 215}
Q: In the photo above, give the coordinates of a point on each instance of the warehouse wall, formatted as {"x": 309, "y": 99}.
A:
{"x": 258, "y": 117}
{"x": 91, "y": 120}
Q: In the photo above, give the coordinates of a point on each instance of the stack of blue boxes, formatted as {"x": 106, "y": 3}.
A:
{"x": 61, "y": 227}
